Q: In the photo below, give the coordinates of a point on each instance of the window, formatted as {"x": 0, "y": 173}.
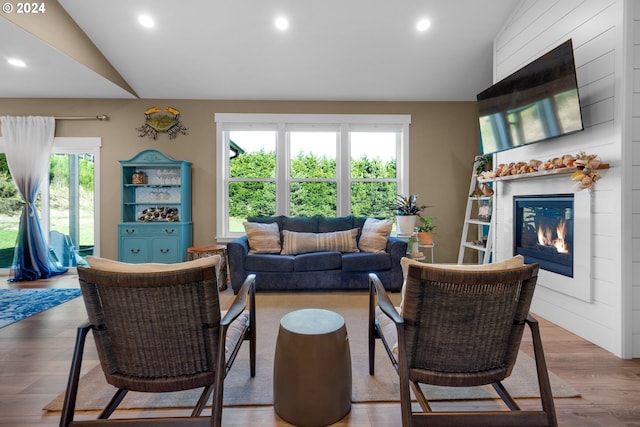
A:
{"x": 304, "y": 165}
{"x": 68, "y": 204}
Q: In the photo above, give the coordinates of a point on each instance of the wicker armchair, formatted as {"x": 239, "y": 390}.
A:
{"x": 159, "y": 328}
{"x": 459, "y": 328}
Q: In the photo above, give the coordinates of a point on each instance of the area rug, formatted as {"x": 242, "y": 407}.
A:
{"x": 18, "y": 304}
{"x": 241, "y": 389}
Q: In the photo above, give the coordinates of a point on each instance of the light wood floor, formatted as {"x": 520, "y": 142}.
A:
{"x": 35, "y": 354}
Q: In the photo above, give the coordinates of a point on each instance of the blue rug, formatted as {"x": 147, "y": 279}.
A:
{"x": 17, "y": 304}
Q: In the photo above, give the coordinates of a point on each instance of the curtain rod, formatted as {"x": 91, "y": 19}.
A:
{"x": 104, "y": 117}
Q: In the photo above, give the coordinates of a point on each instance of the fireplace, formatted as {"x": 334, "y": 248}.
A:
{"x": 543, "y": 231}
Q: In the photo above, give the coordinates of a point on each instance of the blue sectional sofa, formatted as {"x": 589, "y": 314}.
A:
{"x": 322, "y": 270}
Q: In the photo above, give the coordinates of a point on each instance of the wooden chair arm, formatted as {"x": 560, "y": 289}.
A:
{"x": 240, "y": 302}
{"x": 377, "y": 289}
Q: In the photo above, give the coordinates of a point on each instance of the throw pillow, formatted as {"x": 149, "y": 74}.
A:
{"x": 374, "y": 236}
{"x": 516, "y": 261}
{"x": 263, "y": 238}
{"x": 299, "y": 243}
{"x": 105, "y": 264}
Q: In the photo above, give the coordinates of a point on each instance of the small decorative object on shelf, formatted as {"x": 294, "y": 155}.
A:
{"x": 139, "y": 177}
{"x": 483, "y": 163}
{"x": 586, "y": 175}
{"x": 413, "y": 248}
{"x": 583, "y": 168}
{"x": 484, "y": 210}
{"x": 156, "y": 122}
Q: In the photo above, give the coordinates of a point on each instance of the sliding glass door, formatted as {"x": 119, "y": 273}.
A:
{"x": 68, "y": 205}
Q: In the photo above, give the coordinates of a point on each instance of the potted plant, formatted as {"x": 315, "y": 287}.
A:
{"x": 407, "y": 211}
{"x": 425, "y": 230}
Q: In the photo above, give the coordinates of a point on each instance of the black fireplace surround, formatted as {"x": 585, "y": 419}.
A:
{"x": 543, "y": 231}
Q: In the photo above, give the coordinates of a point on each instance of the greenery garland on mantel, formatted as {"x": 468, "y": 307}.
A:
{"x": 582, "y": 167}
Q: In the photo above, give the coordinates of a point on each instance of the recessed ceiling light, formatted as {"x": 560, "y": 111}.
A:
{"x": 146, "y": 21}
{"x": 16, "y": 62}
{"x": 282, "y": 23}
{"x": 423, "y": 25}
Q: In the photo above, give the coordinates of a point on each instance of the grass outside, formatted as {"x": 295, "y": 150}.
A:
{"x": 235, "y": 224}
{"x": 59, "y": 218}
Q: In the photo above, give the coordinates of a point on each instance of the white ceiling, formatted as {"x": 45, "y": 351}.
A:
{"x": 346, "y": 50}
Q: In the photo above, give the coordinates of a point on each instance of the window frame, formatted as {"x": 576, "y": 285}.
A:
{"x": 343, "y": 124}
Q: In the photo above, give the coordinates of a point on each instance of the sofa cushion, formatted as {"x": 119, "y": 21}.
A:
{"x": 301, "y": 224}
{"x": 264, "y": 238}
{"x": 268, "y": 262}
{"x": 358, "y": 221}
{"x": 363, "y": 261}
{"x": 318, "y": 261}
{"x": 299, "y": 243}
{"x": 341, "y": 223}
{"x": 375, "y": 234}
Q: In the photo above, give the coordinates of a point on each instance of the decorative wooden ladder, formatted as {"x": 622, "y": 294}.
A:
{"x": 474, "y": 200}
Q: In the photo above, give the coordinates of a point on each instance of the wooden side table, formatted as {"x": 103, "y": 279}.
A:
{"x": 196, "y": 252}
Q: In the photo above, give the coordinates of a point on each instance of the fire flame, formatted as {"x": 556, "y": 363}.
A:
{"x": 545, "y": 237}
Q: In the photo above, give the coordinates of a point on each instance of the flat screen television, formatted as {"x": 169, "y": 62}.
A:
{"x": 536, "y": 103}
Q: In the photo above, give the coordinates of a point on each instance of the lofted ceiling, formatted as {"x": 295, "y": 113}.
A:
{"x": 344, "y": 50}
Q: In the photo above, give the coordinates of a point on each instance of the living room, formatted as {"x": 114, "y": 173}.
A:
{"x": 443, "y": 143}
{"x": 443, "y": 139}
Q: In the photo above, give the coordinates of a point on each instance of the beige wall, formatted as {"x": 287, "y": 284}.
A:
{"x": 443, "y": 143}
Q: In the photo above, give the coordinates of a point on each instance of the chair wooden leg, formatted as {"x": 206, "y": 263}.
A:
{"x": 69, "y": 405}
{"x": 202, "y": 401}
{"x": 544, "y": 384}
{"x": 505, "y": 396}
{"x": 252, "y": 321}
{"x": 420, "y": 397}
{"x": 405, "y": 396}
{"x": 113, "y": 404}
{"x": 372, "y": 329}
{"x": 216, "y": 411}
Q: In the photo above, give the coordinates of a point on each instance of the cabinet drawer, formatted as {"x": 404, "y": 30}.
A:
{"x": 165, "y": 250}
{"x": 150, "y": 230}
{"x": 134, "y": 250}
{"x": 168, "y": 230}
{"x": 133, "y": 230}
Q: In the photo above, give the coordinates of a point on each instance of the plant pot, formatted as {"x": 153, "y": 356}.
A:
{"x": 405, "y": 224}
{"x": 425, "y": 237}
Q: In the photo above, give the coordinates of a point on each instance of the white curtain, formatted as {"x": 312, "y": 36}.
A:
{"x": 28, "y": 143}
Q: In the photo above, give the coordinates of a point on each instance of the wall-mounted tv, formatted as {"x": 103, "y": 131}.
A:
{"x": 536, "y": 103}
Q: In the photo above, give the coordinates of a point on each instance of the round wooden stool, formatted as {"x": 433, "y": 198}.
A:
{"x": 196, "y": 252}
{"x": 312, "y": 368}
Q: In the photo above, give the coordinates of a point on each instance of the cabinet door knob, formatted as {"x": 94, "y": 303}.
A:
{"x": 135, "y": 251}
{"x": 130, "y": 231}
{"x": 169, "y": 231}
{"x": 164, "y": 251}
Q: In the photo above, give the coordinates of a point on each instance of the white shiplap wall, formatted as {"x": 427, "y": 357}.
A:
{"x": 633, "y": 153}
{"x": 597, "y": 28}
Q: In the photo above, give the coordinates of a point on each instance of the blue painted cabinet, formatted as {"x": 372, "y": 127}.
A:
{"x": 156, "y": 209}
